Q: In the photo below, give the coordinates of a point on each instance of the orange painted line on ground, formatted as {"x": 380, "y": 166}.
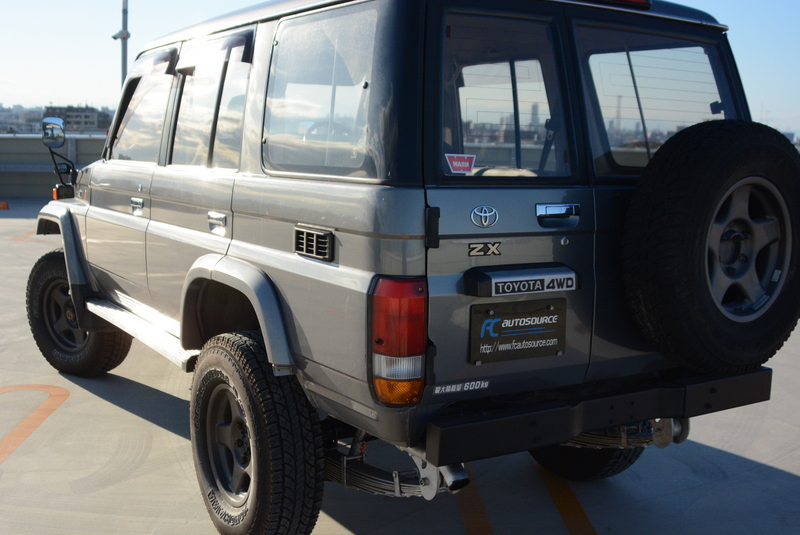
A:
{"x": 567, "y": 504}
{"x": 22, "y": 238}
{"x": 18, "y": 435}
{"x": 473, "y": 511}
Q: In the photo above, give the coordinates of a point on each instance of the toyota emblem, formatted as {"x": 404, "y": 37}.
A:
{"x": 484, "y": 216}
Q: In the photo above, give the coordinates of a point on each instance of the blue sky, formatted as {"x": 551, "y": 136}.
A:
{"x": 62, "y": 52}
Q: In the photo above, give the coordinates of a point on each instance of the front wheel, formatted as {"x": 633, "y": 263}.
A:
{"x": 256, "y": 439}
{"x": 54, "y": 324}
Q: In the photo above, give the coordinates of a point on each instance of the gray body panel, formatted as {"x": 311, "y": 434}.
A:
{"x": 523, "y": 240}
{"x": 116, "y": 228}
{"x": 190, "y": 217}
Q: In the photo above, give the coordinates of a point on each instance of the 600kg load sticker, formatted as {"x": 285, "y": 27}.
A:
{"x": 509, "y": 331}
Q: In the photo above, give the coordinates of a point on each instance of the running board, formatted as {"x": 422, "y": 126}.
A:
{"x": 149, "y": 334}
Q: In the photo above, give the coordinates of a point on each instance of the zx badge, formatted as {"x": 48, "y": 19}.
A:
{"x": 484, "y": 249}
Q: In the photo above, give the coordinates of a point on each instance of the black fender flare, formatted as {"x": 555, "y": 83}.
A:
{"x": 257, "y": 287}
{"x": 57, "y": 218}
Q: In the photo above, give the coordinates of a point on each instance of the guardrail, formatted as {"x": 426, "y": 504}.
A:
{"x": 25, "y": 166}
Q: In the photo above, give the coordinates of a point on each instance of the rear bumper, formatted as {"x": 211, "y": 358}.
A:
{"x": 473, "y": 435}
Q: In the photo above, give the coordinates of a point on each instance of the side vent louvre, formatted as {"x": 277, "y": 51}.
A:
{"x": 314, "y": 243}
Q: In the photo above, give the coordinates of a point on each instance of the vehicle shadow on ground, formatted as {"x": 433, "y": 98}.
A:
{"x": 700, "y": 489}
{"x": 155, "y": 406}
{"x": 704, "y": 489}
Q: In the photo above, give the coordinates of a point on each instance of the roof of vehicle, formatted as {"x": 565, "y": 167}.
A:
{"x": 279, "y": 8}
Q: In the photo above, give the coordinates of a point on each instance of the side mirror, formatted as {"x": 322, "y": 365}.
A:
{"x": 53, "y": 132}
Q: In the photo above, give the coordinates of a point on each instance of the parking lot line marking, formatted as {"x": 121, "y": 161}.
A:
{"x": 567, "y": 504}
{"x": 473, "y": 511}
{"x": 23, "y": 237}
{"x": 34, "y": 419}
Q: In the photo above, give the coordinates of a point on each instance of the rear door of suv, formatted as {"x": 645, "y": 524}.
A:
{"x": 643, "y": 78}
{"x": 511, "y": 215}
{"x": 191, "y": 195}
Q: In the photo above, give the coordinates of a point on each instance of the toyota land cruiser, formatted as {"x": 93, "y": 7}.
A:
{"x": 465, "y": 228}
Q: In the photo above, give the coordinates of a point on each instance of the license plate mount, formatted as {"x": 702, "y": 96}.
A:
{"x": 517, "y": 330}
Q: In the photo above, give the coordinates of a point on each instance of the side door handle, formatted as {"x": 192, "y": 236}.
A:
{"x": 217, "y": 223}
{"x": 137, "y": 206}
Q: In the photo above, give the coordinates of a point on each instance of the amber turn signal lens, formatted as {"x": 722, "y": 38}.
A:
{"x": 398, "y": 392}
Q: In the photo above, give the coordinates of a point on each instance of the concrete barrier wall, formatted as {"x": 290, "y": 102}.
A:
{"x": 25, "y": 166}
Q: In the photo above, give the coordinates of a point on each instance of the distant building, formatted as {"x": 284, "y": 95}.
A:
{"x": 81, "y": 119}
{"x": 19, "y": 120}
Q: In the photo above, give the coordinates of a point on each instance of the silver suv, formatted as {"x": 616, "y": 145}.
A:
{"x": 465, "y": 228}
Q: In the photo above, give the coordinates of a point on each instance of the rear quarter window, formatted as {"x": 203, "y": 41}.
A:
{"x": 319, "y": 90}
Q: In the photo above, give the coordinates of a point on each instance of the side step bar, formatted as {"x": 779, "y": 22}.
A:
{"x": 149, "y": 334}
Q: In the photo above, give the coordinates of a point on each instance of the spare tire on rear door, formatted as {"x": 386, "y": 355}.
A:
{"x": 712, "y": 243}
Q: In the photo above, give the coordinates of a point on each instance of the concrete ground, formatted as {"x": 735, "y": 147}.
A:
{"x": 112, "y": 455}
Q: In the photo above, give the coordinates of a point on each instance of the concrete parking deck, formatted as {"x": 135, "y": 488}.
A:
{"x": 112, "y": 455}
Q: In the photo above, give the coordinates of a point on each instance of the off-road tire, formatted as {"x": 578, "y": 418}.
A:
{"x": 53, "y": 322}
{"x": 712, "y": 246}
{"x": 585, "y": 464}
{"x": 257, "y": 441}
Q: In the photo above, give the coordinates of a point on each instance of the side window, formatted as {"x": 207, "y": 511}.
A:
{"x": 228, "y": 133}
{"x": 502, "y": 114}
{"x": 318, "y": 92}
{"x": 137, "y": 135}
{"x": 211, "y": 106}
{"x": 643, "y": 89}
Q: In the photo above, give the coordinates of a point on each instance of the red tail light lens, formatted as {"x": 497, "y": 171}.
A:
{"x": 399, "y": 339}
{"x": 399, "y": 317}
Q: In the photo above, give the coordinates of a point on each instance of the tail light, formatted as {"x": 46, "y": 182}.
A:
{"x": 399, "y": 339}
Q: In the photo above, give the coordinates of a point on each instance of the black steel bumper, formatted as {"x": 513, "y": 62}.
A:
{"x": 455, "y": 438}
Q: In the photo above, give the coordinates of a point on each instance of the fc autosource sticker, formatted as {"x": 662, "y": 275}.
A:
{"x": 518, "y": 330}
{"x": 460, "y": 163}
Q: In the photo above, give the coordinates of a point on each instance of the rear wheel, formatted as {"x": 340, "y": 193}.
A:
{"x": 54, "y": 324}
{"x": 586, "y": 464}
{"x": 257, "y": 441}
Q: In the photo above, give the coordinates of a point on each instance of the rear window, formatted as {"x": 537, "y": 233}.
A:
{"x": 641, "y": 89}
{"x": 502, "y": 104}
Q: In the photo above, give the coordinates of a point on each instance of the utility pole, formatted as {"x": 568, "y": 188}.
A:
{"x": 123, "y": 35}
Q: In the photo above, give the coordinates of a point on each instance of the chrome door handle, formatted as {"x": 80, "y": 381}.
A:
{"x": 215, "y": 219}
{"x": 137, "y": 205}
{"x": 558, "y": 210}
{"x": 217, "y": 222}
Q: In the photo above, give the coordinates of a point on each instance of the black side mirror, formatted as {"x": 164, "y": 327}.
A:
{"x": 53, "y": 137}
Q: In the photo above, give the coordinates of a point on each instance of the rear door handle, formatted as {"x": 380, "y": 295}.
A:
{"x": 558, "y": 210}
{"x": 217, "y": 222}
{"x": 137, "y": 205}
